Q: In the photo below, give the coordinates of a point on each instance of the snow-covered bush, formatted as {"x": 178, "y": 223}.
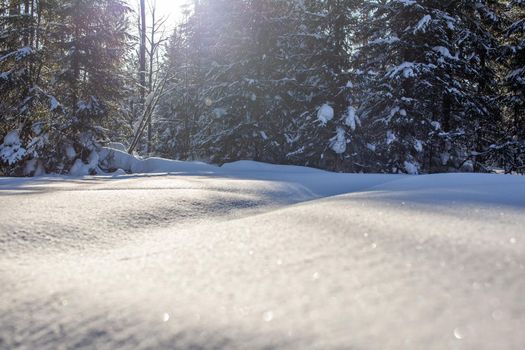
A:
{"x": 11, "y": 150}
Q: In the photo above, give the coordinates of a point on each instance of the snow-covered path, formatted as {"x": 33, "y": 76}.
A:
{"x": 233, "y": 260}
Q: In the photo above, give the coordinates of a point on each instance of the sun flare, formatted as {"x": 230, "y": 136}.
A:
{"x": 172, "y": 8}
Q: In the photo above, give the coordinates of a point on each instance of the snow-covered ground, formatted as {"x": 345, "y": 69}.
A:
{"x": 256, "y": 256}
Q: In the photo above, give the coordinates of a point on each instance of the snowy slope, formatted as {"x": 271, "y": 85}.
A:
{"x": 231, "y": 260}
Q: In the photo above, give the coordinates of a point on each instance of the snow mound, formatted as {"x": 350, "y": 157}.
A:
{"x": 117, "y": 145}
{"x": 253, "y": 166}
{"x": 406, "y": 262}
{"x": 80, "y": 168}
{"x": 114, "y": 159}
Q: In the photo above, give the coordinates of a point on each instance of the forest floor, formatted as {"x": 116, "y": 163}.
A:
{"x": 255, "y": 256}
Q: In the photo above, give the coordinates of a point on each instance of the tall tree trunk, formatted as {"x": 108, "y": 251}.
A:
{"x": 142, "y": 49}
{"x": 150, "y": 76}
{"x": 142, "y": 53}
{"x": 39, "y": 5}
{"x": 75, "y": 67}
{"x": 446, "y": 108}
{"x": 14, "y": 7}
{"x": 27, "y": 23}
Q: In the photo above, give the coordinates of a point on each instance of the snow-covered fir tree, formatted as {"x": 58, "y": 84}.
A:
{"x": 176, "y": 118}
{"x": 89, "y": 41}
{"x": 424, "y": 78}
{"x": 514, "y": 87}
{"x": 325, "y": 117}
{"x": 242, "y": 58}
{"x": 233, "y": 79}
{"x": 62, "y": 76}
{"x": 21, "y": 95}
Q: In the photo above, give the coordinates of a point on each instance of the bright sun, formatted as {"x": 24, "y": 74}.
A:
{"x": 173, "y": 8}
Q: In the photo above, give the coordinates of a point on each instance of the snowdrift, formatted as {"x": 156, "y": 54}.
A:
{"x": 224, "y": 260}
{"x": 118, "y": 160}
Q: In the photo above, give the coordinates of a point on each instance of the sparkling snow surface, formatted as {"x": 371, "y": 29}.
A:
{"x": 232, "y": 260}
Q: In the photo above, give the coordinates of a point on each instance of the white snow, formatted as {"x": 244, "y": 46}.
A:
{"x": 411, "y": 167}
{"x": 444, "y": 52}
{"x": 23, "y": 52}
{"x": 33, "y": 167}
{"x": 351, "y": 119}
{"x": 114, "y": 159}
{"x": 12, "y": 138}
{"x": 70, "y": 151}
{"x": 11, "y": 150}
{"x": 390, "y": 137}
{"x": 380, "y": 41}
{"x": 407, "y": 2}
{"x": 80, "y": 168}
{"x": 407, "y": 69}
{"x": 223, "y": 258}
{"x": 118, "y": 146}
{"x": 220, "y": 112}
{"x": 325, "y": 114}
{"x": 418, "y": 146}
{"x": 338, "y": 142}
{"x": 18, "y": 54}
{"x": 445, "y": 157}
{"x": 396, "y": 110}
{"x": 53, "y": 103}
{"x": 423, "y": 24}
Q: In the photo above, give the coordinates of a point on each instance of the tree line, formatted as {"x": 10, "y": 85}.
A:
{"x": 412, "y": 86}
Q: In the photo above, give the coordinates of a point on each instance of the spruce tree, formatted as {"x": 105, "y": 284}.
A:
{"x": 62, "y": 81}
{"x": 514, "y": 84}
{"x": 326, "y": 120}
{"x": 424, "y": 77}
{"x": 23, "y": 95}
